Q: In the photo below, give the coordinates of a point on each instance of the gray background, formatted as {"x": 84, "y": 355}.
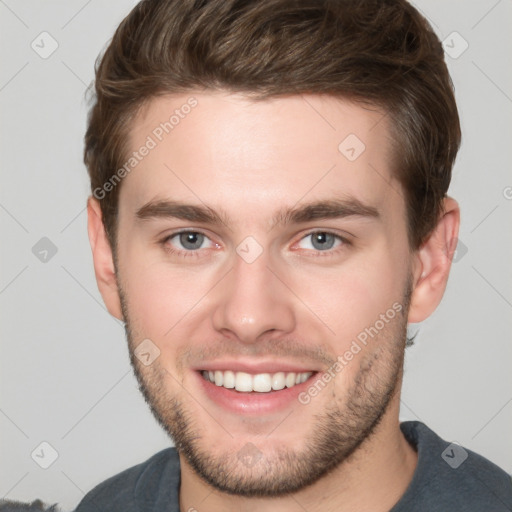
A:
{"x": 65, "y": 374}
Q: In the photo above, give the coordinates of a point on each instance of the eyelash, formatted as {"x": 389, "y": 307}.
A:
{"x": 183, "y": 253}
{"x": 195, "y": 253}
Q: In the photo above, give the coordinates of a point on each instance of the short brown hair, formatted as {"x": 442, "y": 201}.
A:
{"x": 381, "y": 52}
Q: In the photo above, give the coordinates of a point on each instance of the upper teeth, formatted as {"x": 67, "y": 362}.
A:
{"x": 261, "y": 382}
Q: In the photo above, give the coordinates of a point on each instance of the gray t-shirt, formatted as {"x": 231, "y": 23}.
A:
{"x": 447, "y": 478}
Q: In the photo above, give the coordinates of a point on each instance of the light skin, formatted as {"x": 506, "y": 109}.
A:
{"x": 298, "y": 303}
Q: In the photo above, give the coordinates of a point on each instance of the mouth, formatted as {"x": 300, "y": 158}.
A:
{"x": 259, "y": 383}
{"x": 254, "y": 394}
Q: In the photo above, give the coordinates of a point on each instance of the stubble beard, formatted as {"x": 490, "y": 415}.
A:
{"x": 337, "y": 432}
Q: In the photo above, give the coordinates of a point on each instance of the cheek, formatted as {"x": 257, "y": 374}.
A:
{"x": 170, "y": 305}
{"x": 350, "y": 298}
{"x": 160, "y": 298}
{"x": 363, "y": 307}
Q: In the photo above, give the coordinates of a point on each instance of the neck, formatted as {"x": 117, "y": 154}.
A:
{"x": 373, "y": 479}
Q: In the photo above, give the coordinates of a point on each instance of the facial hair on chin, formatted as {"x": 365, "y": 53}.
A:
{"x": 337, "y": 433}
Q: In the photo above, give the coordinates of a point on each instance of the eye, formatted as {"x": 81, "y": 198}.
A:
{"x": 321, "y": 241}
{"x": 187, "y": 241}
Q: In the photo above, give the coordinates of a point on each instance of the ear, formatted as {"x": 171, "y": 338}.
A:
{"x": 432, "y": 263}
{"x": 103, "y": 259}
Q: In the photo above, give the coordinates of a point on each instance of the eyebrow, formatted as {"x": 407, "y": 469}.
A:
{"x": 317, "y": 210}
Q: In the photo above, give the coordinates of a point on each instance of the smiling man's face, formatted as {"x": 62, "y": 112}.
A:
{"x": 256, "y": 242}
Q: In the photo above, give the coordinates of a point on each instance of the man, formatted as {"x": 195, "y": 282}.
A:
{"x": 269, "y": 212}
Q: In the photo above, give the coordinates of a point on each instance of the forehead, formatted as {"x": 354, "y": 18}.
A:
{"x": 229, "y": 150}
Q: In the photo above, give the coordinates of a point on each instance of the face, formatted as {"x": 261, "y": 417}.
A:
{"x": 264, "y": 274}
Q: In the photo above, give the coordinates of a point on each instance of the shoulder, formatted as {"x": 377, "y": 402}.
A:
{"x": 138, "y": 488}
{"x": 448, "y": 475}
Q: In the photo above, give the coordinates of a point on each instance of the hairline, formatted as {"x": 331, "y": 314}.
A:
{"x": 141, "y": 107}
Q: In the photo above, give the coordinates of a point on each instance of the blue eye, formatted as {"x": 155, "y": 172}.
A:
{"x": 190, "y": 240}
{"x": 321, "y": 241}
{"x": 190, "y": 243}
{"x": 187, "y": 243}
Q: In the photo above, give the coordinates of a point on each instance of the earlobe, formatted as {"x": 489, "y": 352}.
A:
{"x": 433, "y": 263}
{"x": 103, "y": 259}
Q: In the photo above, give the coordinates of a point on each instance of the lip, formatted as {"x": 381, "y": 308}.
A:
{"x": 255, "y": 367}
{"x": 253, "y": 403}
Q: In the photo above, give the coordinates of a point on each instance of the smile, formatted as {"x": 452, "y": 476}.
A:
{"x": 260, "y": 383}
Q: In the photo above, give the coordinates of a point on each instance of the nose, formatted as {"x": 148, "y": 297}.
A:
{"x": 253, "y": 301}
